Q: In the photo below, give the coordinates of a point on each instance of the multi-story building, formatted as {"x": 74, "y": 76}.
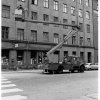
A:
{"x": 95, "y": 29}
{"x": 26, "y": 42}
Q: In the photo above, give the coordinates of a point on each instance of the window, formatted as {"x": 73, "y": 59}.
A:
{"x": 88, "y": 28}
{"x": 81, "y": 40}
{"x": 22, "y": 0}
{"x": 73, "y": 23}
{"x": 73, "y": 39}
{"x": 89, "y": 57}
{"x": 72, "y": 10}
{"x": 5, "y": 32}
{"x": 56, "y": 38}
{"x": 34, "y": 35}
{"x": 87, "y": 2}
{"x": 45, "y": 36}
{"x": 64, "y": 38}
{"x": 34, "y": 2}
{"x": 81, "y": 27}
{"x": 65, "y": 8}
{"x": 80, "y": 13}
{"x": 80, "y": 2}
{"x": 45, "y": 18}
{"x": 55, "y": 5}
{"x": 20, "y": 34}
{"x": 88, "y": 41}
{"x": 82, "y": 55}
{"x": 46, "y": 3}
{"x": 74, "y": 53}
{"x": 87, "y": 14}
{"x": 34, "y": 15}
{"x": 65, "y": 21}
{"x": 56, "y": 20}
{"x": 65, "y": 53}
{"x": 5, "y": 11}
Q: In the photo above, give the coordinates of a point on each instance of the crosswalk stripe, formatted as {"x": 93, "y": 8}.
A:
{"x": 4, "y": 79}
{"x": 11, "y": 90}
{"x": 15, "y": 97}
{"x": 5, "y": 82}
{"x": 8, "y": 85}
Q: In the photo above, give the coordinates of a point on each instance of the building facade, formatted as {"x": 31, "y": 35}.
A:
{"x": 95, "y": 29}
{"x": 26, "y": 42}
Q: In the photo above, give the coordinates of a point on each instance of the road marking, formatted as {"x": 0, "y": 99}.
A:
{"x": 4, "y": 79}
{"x": 7, "y": 89}
{"x": 11, "y": 90}
{"x": 5, "y": 82}
{"x": 8, "y": 85}
{"x": 15, "y": 97}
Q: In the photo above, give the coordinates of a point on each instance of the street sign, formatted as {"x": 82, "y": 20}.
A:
{"x": 19, "y": 13}
{"x": 16, "y": 45}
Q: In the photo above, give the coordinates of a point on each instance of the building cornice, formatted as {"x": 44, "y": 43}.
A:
{"x": 43, "y": 43}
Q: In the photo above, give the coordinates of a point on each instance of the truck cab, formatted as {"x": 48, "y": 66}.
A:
{"x": 71, "y": 63}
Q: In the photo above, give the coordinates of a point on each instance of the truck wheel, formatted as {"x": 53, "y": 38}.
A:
{"x": 60, "y": 70}
{"x": 72, "y": 71}
{"x": 50, "y": 71}
{"x": 82, "y": 68}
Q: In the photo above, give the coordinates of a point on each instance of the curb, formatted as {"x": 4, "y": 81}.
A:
{"x": 33, "y": 70}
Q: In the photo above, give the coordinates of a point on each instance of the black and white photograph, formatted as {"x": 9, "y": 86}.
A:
{"x": 49, "y": 50}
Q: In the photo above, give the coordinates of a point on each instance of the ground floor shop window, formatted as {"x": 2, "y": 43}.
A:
{"x": 65, "y": 53}
{"x": 33, "y": 57}
{"x": 5, "y": 57}
{"x": 20, "y": 55}
{"x": 82, "y": 55}
{"x": 89, "y": 57}
{"x": 74, "y": 53}
{"x": 37, "y": 56}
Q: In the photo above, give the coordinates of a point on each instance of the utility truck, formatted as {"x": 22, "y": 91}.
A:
{"x": 72, "y": 63}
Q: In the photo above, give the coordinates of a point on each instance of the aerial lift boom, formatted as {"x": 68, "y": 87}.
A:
{"x": 53, "y": 65}
{"x": 50, "y": 54}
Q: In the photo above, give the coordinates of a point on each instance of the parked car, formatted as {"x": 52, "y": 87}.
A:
{"x": 94, "y": 66}
{"x": 87, "y": 66}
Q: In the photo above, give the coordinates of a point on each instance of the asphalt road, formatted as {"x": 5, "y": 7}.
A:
{"x": 34, "y": 85}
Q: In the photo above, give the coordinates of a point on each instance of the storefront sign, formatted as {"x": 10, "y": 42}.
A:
{"x": 16, "y": 45}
